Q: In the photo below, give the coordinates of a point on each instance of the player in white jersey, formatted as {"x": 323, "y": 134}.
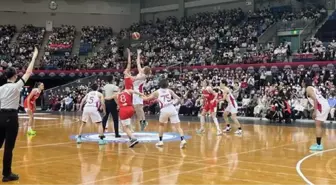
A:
{"x": 167, "y": 98}
{"x": 93, "y": 101}
{"x": 232, "y": 108}
{"x": 320, "y": 114}
{"x": 138, "y": 85}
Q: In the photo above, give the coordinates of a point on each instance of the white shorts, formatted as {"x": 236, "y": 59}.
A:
{"x": 137, "y": 100}
{"x": 323, "y": 115}
{"x": 232, "y": 109}
{"x": 91, "y": 113}
{"x": 169, "y": 113}
{"x": 126, "y": 122}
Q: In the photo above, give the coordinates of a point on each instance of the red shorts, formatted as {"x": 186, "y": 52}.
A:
{"x": 210, "y": 107}
{"x": 32, "y": 106}
{"x": 126, "y": 112}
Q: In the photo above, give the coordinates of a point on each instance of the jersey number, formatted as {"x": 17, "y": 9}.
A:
{"x": 122, "y": 98}
{"x": 166, "y": 98}
{"x": 90, "y": 100}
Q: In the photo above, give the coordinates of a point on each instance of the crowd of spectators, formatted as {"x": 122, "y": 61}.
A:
{"x": 6, "y": 34}
{"x": 65, "y": 62}
{"x": 276, "y": 95}
{"x": 61, "y": 40}
{"x": 223, "y": 37}
{"x": 319, "y": 50}
{"x": 93, "y": 35}
{"x": 208, "y": 38}
{"x": 21, "y": 51}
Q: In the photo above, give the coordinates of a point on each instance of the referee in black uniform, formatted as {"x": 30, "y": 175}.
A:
{"x": 9, "y": 120}
{"x": 111, "y": 105}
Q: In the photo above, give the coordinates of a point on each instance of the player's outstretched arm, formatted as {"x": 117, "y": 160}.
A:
{"x": 135, "y": 92}
{"x": 175, "y": 96}
{"x": 152, "y": 96}
{"x": 127, "y": 71}
{"x": 139, "y": 61}
{"x": 115, "y": 96}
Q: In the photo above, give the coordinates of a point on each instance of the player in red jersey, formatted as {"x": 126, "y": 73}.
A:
{"x": 209, "y": 106}
{"x": 128, "y": 79}
{"x": 138, "y": 82}
{"x": 124, "y": 100}
{"x": 30, "y": 106}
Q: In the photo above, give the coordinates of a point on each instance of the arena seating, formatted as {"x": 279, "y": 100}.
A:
{"x": 6, "y": 34}
{"x": 217, "y": 38}
{"x": 255, "y": 91}
{"x": 21, "y": 51}
{"x": 61, "y": 40}
{"x": 92, "y": 36}
{"x": 202, "y": 40}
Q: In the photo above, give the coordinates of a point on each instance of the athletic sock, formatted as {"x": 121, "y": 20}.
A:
{"x": 318, "y": 140}
{"x": 182, "y": 138}
{"x": 216, "y": 122}
{"x": 239, "y": 128}
{"x": 29, "y": 128}
{"x": 202, "y": 122}
{"x": 228, "y": 125}
{"x": 160, "y": 137}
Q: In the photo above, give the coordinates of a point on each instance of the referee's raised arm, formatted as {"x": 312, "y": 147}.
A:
{"x": 30, "y": 68}
{"x": 9, "y": 120}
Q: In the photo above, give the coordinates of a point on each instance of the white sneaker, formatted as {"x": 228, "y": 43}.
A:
{"x": 227, "y": 129}
{"x": 239, "y": 132}
{"x": 159, "y": 144}
{"x": 219, "y": 132}
{"x": 182, "y": 144}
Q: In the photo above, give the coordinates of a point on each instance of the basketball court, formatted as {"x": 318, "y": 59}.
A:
{"x": 265, "y": 154}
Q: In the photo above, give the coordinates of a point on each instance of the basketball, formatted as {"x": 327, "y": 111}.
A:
{"x": 136, "y": 35}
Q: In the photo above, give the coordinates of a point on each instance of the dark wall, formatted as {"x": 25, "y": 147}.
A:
{"x": 48, "y": 82}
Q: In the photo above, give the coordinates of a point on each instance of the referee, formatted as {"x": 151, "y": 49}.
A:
{"x": 110, "y": 90}
{"x": 9, "y": 120}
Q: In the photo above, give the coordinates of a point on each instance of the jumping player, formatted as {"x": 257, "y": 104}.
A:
{"x": 126, "y": 112}
{"x": 320, "y": 114}
{"x": 30, "y": 106}
{"x": 209, "y": 106}
{"x": 168, "y": 111}
{"x": 128, "y": 79}
{"x": 232, "y": 108}
{"x": 93, "y": 100}
{"x": 138, "y": 85}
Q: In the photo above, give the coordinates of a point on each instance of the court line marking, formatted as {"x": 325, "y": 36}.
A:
{"x": 50, "y": 144}
{"x": 298, "y": 164}
{"x": 195, "y": 162}
{"x": 188, "y": 171}
{"x": 279, "y": 166}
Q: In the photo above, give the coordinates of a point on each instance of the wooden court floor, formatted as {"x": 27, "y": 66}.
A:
{"x": 265, "y": 154}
